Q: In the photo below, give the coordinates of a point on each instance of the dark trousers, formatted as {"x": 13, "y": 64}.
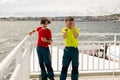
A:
{"x": 71, "y": 54}
{"x": 45, "y": 62}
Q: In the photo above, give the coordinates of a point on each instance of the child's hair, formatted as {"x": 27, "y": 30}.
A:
{"x": 44, "y": 19}
{"x": 69, "y": 18}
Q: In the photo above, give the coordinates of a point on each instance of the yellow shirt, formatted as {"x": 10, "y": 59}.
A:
{"x": 70, "y": 40}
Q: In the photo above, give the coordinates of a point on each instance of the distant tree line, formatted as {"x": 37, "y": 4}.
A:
{"x": 77, "y": 18}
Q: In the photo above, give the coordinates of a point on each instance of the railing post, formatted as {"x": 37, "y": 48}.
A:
{"x": 26, "y": 65}
{"x": 21, "y": 54}
{"x": 19, "y": 57}
{"x": 115, "y": 38}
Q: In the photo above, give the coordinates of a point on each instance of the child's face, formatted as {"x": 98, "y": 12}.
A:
{"x": 69, "y": 24}
{"x": 46, "y": 24}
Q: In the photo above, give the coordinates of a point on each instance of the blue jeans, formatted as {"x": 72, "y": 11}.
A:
{"x": 71, "y": 54}
{"x": 44, "y": 58}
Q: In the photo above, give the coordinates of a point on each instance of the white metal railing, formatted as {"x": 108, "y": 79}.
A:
{"x": 91, "y": 59}
{"x": 26, "y": 64}
{"x": 21, "y": 54}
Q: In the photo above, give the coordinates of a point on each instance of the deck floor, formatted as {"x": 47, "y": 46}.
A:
{"x": 108, "y": 77}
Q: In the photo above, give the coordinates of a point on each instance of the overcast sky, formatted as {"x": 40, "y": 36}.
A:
{"x": 57, "y": 7}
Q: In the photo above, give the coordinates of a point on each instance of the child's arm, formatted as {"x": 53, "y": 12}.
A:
{"x": 46, "y": 40}
{"x": 74, "y": 30}
{"x": 30, "y": 33}
{"x": 50, "y": 41}
{"x": 65, "y": 33}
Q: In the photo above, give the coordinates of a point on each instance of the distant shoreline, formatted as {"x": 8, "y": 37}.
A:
{"x": 105, "y": 18}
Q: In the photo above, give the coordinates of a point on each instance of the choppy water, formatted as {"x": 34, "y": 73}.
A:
{"x": 12, "y": 32}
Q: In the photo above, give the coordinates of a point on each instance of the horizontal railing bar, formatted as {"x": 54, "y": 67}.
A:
{"x": 100, "y": 34}
{"x": 88, "y": 41}
{"x": 85, "y": 73}
{"x": 93, "y": 34}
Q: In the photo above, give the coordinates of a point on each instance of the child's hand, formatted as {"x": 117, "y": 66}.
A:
{"x": 29, "y": 33}
{"x": 66, "y": 29}
{"x": 73, "y": 24}
{"x": 44, "y": 39}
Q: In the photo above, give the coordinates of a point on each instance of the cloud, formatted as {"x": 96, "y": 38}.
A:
{"x": 57, "y": 8}
{"x": 6, "y": 1}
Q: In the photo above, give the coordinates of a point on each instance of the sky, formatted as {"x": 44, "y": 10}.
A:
{"x": 37, "y": 8}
